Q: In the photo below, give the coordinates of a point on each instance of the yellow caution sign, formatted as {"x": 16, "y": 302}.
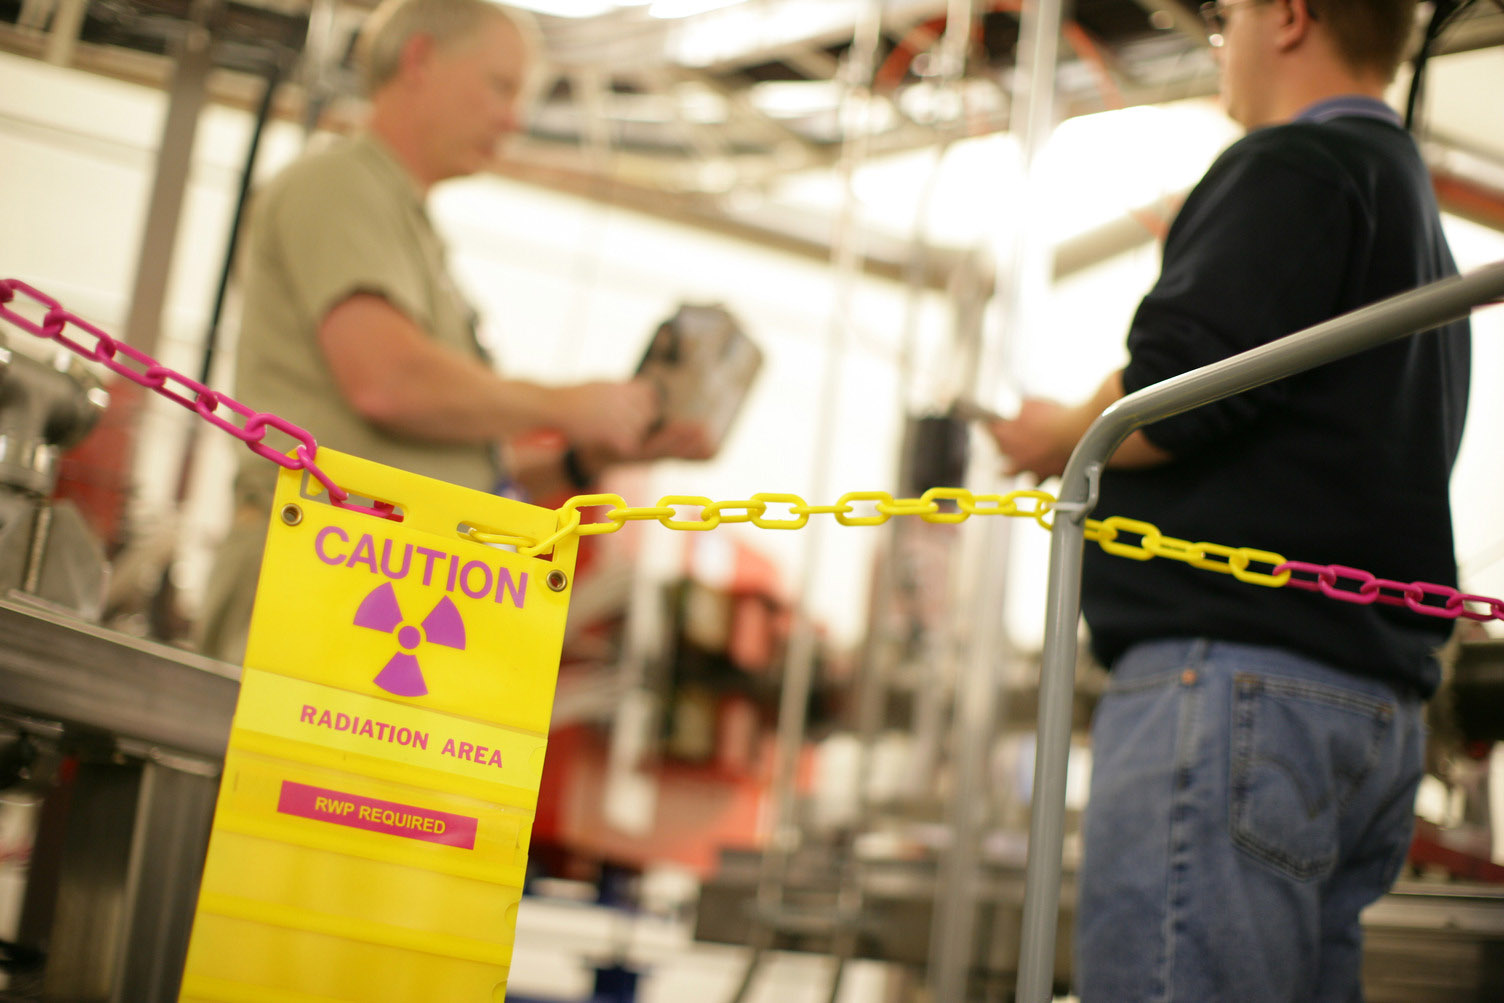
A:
{"x": 370, "y": 838}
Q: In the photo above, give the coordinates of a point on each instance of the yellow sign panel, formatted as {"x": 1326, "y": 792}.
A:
{"x": 370, "y": 838}
{"x": 301, "y": 711}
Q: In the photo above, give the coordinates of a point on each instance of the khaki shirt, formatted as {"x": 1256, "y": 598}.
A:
{"x": 345, "y": 220}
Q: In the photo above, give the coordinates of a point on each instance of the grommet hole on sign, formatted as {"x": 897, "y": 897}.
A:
{"x": 312, "y": 490}
{"x": 490, "y": 537}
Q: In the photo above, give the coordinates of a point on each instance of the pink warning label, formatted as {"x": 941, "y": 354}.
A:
{"x": 375, "y": 815}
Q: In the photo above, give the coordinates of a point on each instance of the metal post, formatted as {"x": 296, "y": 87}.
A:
{"x": 62, "y": 40}
{"x": 159, "y": 235}
{"x": 1388, "y": 320}
{"x": 1023, "y": 277}
{"x": 953, "y": 936}
{"x": 845, "y": 253}
{"x": 799, "y": 663}
{"x": 1023, "y": 274}
{"x": 174, "y": 812}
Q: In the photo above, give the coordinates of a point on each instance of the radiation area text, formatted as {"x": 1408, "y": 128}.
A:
{"x": 382, "y": 731}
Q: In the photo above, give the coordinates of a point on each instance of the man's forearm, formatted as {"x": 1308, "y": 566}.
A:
{"x": 446, "y": 397}
{"x": 396, "y": 377}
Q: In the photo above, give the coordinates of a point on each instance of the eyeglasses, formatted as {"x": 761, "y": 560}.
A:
{"x": 1214, "y": 14}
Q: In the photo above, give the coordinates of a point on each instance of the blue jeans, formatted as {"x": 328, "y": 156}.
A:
{"x": 1246, "y": 804}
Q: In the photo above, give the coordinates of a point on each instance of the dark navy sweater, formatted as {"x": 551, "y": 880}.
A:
{"x": 1346, "y": 464}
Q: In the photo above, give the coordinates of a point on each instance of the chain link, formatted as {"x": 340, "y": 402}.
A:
{"x": 1330, "y": 580}
{"x": 1236, "y": 561}
{"x": 144, "y": 371}
{"x": 1110, "y": 534}
{"x": 756, "y": 509}
{"x": 1131, "y": 538}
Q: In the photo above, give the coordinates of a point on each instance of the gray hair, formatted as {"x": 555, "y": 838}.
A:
{"x": 378, "y": 50}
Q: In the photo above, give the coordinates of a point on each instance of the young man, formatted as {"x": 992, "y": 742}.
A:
{"x": 352, "y": 326}
{"x": 1257, "y": 754}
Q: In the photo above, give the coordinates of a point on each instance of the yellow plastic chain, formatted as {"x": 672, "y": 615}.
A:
{"x": 1027, "y": 504}
{"x": 1333, "y": 580}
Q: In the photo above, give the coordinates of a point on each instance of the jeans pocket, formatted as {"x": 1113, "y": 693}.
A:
{"x": 1300, "y": 752}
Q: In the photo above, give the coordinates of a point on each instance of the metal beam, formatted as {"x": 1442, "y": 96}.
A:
{"x": 719, "y": 40}
{"x": 1177, "y": 16}
{"x": 62, "y": 40}
{"x": 706, "y": 141}
{"x": 186, "y": 95}
{"x": 740, "y": 103}
{"x": 787, "y": 230}
{"x": 55, "y": 667}
{"x": 1480, "y": 28}
{"x": 1464, "y": 197}
{"x": 814, "y": 63}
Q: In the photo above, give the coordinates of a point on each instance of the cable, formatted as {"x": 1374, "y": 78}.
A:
{"x": 1442, "y": 15}
{"x": 272, "y": 75}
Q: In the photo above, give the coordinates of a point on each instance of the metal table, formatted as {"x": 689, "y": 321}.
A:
{"x": 122, "y": 832}
{"x": 1426, "y": 941}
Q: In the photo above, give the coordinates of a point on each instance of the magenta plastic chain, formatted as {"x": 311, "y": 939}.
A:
{"x": 189, "y": 393}
{"x": 1372, "y": 590}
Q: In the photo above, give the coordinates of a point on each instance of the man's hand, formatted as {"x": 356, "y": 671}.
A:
{"x": 541, "y": 470}
{"x": 1038, "y": 440}
{"x": 1041, "y": 437}
{"x": 614, "y": 416}
{"x": 675, "y": 440}
{"x": 394, "y": 376}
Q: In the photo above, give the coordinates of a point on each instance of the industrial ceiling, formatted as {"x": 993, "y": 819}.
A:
{"x": 669, "y": 114}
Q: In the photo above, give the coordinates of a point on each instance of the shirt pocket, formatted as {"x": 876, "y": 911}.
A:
{"x": 1300, "y": 752}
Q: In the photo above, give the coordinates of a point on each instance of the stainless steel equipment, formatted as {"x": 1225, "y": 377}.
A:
{"x": 46, "y": 549}
{"x": 129, "y": 737}
{"x": 1427, "y": 941}
{"x": 110, "y": 747}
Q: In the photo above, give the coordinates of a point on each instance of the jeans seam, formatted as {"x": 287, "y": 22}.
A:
{"x": 1329, "y": 695}
{"x": 1165, "y": 678}
{"x": 1180, "y": 807}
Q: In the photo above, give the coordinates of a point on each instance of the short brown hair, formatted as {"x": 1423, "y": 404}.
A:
{"x": 1370, "y": 35}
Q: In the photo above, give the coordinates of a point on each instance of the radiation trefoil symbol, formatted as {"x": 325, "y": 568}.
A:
{"x": 402, "y": 675}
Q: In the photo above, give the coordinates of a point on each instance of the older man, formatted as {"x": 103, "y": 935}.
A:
{"x": 1257, "y": 754}
{"x": 353, "y": 327}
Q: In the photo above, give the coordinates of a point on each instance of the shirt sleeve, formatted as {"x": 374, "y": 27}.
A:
{"x": 1259, "y": 251}
{"x": 338, "y": 232}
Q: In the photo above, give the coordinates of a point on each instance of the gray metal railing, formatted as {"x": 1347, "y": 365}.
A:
{"x": 1388, "y": 320}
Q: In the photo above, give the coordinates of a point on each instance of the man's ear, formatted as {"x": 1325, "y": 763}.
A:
{"x": 1294, "y": 22}
{"x": 417, "y": 54}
